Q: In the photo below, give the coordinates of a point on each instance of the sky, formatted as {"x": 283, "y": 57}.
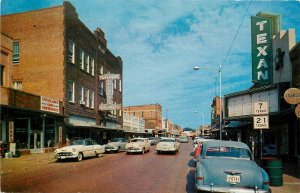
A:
{"x": 161, "y": 41}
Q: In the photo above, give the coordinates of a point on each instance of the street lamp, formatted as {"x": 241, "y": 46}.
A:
{"x": 218, "y": 71}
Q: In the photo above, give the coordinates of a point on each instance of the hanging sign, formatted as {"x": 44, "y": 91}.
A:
{"x": 292, "y": 96}
{"x": 297, "y": 111}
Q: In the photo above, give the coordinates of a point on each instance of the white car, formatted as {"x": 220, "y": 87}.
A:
{"x": 138, "y": 145}
{"x": 116, "y": 145}
{"x": 168, "y": 144}
{"x": 79, "y": 149}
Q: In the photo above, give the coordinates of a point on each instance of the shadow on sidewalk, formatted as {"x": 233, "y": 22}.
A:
{"x": 291, "y": 169}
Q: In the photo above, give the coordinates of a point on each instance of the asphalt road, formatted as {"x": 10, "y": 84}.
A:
{"x": 112, "y": 173}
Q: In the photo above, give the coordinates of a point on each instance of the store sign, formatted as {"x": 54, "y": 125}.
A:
{"x": 11, "y": 131}
{"x": 50, "y": 105}
{"x": 60, "y": 134}
{"x": 261, "y": 33}
{"x": 292, "y": 96}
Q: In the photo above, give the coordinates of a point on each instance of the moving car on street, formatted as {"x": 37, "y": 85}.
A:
{"x": 153, "y": 140}
{"x": 116, "y": 145}
{"x": 168, "y": 144}
{"x": 184, "y": 139}
{"x": 79, "y": 149}
{"x": 226, "y": 166}
{"x": 138, "y": 145}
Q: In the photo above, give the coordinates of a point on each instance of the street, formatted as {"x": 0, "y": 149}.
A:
{"x": 112, "y": 173}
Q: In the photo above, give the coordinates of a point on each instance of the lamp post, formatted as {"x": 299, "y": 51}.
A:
{"x": 218, "y": 71}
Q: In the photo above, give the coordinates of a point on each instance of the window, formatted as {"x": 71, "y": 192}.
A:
{"x": 17, "y": 85}
{"x": 115, "y": 84}
{"x": 142, "y": 114}
{"x": 81, "y": 59}
{"x": 101, "y": 70}
{"x": 87, "y": 63}
{"x": 71, "y": 91}
{"x": 92, "y": 66}
{"x": 81, "y": 94}
{"x": 91, "y": 99}
{"x": 1, "y": 74}
{"x": 87, "y": 98}
{"x": 71, "y": 52}
{"x": 120, "y": 85}
{"x": 16, "y": 52}
{"x": 101, "y": 87}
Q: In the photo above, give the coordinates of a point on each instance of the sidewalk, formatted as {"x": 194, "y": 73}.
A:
{"x": 291, "y": 179}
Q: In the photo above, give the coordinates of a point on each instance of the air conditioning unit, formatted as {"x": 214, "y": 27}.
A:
{"x": 82, "y": 102}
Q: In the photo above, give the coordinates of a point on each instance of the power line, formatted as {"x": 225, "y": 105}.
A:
{"x": 235, "y": 36}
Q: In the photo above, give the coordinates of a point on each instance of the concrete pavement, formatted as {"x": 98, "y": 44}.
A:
{"x": 291, "y": 171}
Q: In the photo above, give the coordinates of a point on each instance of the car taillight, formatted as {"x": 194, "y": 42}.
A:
{"x": 266, "y": 183}
{"x": 200, "y": 178}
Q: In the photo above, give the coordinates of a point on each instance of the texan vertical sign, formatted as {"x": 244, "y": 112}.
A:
{"x": 261, "y": 33}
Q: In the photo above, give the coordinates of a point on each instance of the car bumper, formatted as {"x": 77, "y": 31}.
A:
{"x": 133, "y": 150}
{"x": 66, "y": 156}
{"x": 166, "y": 149}
{"x": 108, "y": 149}
{"x": 229, "y": 189}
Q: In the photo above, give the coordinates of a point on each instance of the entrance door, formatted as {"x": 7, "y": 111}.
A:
{"x": 35, "y": 141}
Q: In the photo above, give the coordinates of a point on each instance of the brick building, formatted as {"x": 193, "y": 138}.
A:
{"x": 151, "y": 113}
{"x": 55, "y": 55}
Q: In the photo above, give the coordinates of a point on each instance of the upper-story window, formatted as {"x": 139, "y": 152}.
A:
{"x": 120, "y": 85}
{"x": 101, "y": 87}
{"x": 17, "y": 85}
{"x": 87, "y": 62}
{"x": 92, "y": 66}
{"x": 101, "y": 70}
{"x": 16, "y": 52}
{"x": 115, "y": 84}
{"x": 81, "y": 59}
{"x": 92, "y": 99}
{"x": 81, "y": 95}
{"x": 71, "y": 91}
{"x": 71, "y": 51}
{"x": 87, "y": 97}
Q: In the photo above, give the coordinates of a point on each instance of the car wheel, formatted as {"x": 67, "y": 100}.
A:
{"x": 118, "y": 150}
{"x": 143, "y": 152}
{"x": 158, "y": 152}
{"x": 79, "y": 157}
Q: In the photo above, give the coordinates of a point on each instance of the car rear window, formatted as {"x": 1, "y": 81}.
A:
{"x": 222, "y": 151}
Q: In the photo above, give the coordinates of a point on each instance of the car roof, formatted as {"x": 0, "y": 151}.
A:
{"x": 237, "y": 144}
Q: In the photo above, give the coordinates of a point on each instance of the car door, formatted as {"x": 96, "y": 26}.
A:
{"x": 147, "y": 144}
{"x": 90, "y": 149}
{"x": 123, "y": 143}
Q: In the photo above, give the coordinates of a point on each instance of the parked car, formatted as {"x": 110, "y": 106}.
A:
{"x": 138, "y": 145}
{"x": 184, "y": 139}
{"x": 153, "y": 140}
{"x": 80, "y": 149}
{"x": 226, "y": 166}
{"x": 168, "y": 144}
{"x": 116, "y": 145}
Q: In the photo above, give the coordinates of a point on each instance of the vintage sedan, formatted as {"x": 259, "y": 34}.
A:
{"x": 226, "y": 166}
{"x": 80, "y": 149}
{"x": 138, "y": 145}
{"x": 168, "y": 144}
{"x": 184, "y": 139}
{"x": 116, "y": 145}
{"x": 153, "y": 140}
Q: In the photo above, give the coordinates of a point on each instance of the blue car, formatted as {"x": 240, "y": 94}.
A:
{"x": 226, "y": 166}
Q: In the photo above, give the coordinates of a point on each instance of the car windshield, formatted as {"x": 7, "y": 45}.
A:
{"x": 116, "y": 140}
{"x": 222, "y": 151}
{"x": 78, "y": 142}
{"x": 167, "y": 140}
{"x": 137, "y": 140}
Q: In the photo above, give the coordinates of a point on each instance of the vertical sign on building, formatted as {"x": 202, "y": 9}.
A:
{"x": 11, "y": 131}
{"x": 261, "y": 34}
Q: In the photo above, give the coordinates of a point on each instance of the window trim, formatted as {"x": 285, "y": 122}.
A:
{"x": 16, "y": 53}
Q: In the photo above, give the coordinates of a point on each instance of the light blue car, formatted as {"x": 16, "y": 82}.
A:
{"x": 226, "y": 166}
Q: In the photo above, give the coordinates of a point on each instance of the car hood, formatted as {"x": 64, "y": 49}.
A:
{"x": 216, "y": 170}
{"x": 134, "y": 144}
{"x": 69, "y": 148}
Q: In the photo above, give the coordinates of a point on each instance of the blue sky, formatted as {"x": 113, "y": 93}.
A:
{"x": 160, "y": 41}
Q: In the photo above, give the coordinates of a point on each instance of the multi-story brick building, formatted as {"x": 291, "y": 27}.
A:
{"x": 151, "y": 113}
{"x": 55, "y": 55}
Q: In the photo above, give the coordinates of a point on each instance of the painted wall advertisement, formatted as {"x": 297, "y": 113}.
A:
{"x": 261, "y": 34}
